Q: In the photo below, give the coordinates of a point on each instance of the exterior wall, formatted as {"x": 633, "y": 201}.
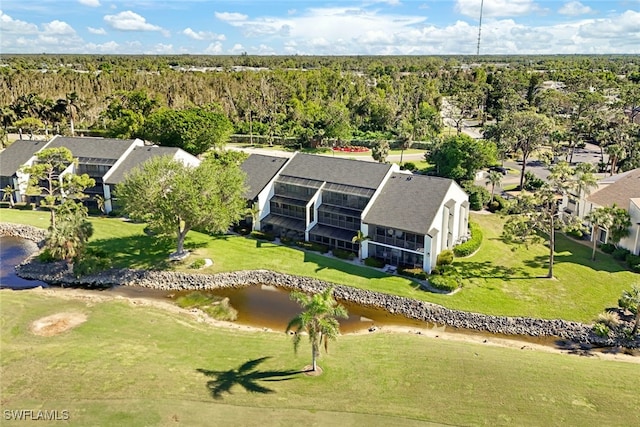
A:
{"x": 632, "y": 241}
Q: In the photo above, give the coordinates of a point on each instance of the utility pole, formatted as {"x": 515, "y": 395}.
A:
{"x": 480, "y": 27}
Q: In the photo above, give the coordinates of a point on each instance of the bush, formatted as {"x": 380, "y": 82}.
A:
{"x": 313, "y": 246}
{"x": 374, "y": 262}
{"x": 260, "y": 235}
{"x": 46, "y": 257}
{"x": 25, "y": 206}
{"x": 445, "y": 282}
{"x": 607, "y": 248}
{"x": 633, "y": 260}
{"x": 575, "y": 233}
{"x": 241, "y": 229}
{"x": 478, "y": 196}
{"x": 417, "y": 273}
{"x": 620, "y": 254}
{"x": 408, "y": 166}
{"x": 92, "y": 262}
{"x": 445, "y": 257}
{"x": 343, "y": 254}
{"x": 609, "y": 318}
{"x": 532, "y": 182}
{"x": 471, "y": 245}
{"x": 197, "y": 264}
{"x": 601, "y": 330}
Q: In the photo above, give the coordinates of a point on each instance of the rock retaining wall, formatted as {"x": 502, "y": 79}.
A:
{"x": 57, "y": 273}
{"x": 24, "y": 231}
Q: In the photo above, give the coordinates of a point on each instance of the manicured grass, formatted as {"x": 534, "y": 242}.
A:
{"x": 499, "y": 281}
{"x": 134, "y": 365}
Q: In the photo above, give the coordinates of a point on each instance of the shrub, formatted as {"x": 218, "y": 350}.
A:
{"x": 374, "y": 262}
{"x": 633, "y": 260}
{"x": 197, "y": 264}
{"x": 601, "y": 330}
{"x": 620, "y": 254}
{"x": 609, "y": 318}
{"x": 287, "y": 241}
{"x": 46, "y": 257}
{"x": 478, "y": 196}
{"x": 445, "y": 282}
{"x": 575, "y": 233}
{"x": 343, "y": 254}
{"x": 408, "y": 166}
{"x": 313, "y": 246}
{"x": 260, "y": 235}
{"x": 471, "y": 245}
{"x": 445, "y": 257}
{"x": 92, "y": 262}
{"x": 607, "y": 248}
{"x": 25, "y": 206}
{"x": 417, "y": 273}
{"x": 636, "y": 268}
{"x": 241, "y": 229}
{"x": 532, "y": 182}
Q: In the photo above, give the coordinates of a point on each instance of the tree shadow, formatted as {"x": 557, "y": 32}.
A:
{"x": 488, "y": 270}
{"x": 141, "y": 251}
{"x": 246, "y": 376}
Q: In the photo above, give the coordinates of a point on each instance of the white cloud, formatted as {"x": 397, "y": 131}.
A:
{"x": 230, "y": 16}
{"x": 237, "y": 49}
{"x": 8, "y": 25}
{"x": 203, "y": 35}
{"x": 625, "y": 26}
{"x": 214, "y": 49}
{"x": 58, "y": 27}
{"x": 574, "y": 8}
{"x": 97, "y": 31}
{"x": 108, "y": 47}
{"x": 130, "y": 21}
{"x": 496, "y": 8}
{"x": 90, "y": 3}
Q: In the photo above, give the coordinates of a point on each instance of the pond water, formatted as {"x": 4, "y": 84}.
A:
{"x": 14, "y": 250}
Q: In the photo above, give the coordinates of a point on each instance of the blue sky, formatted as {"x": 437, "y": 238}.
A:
{"x": 315, "y": 27}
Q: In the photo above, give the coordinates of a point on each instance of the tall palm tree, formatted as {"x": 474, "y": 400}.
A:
{"x": 600, "y": 218}
{"x": 358, "y": 239}
{"x": 495, "y": 179}
{"x": 584, "y": 180}
{"x": 318, "y": 319}
{"x": 254, "y": 212}
{"x": 7, "y": 194}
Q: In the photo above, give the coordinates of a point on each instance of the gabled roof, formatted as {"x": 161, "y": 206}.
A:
{"x": 356, "y": 173}
{"x": 625, "y": 187}
{"x": 409, "y": 202}
{"x": 101, "y": 148}
{"x": 260, "y": 170}
{"x": 136, "y": 157}
{"x": 17, "y": 154}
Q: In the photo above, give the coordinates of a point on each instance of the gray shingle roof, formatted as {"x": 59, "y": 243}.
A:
{"x": 625, "y": 187}
{"x": 355, "y": 173}
{"x": 103, "y": 148}
{"x": 260, "y": 169}
{"x": 16, "y": 155}
{"x": 138, "y": 156}
{"x": 408, "y": 202}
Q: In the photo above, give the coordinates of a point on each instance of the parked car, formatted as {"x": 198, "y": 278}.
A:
{"x": 500, "y": 169}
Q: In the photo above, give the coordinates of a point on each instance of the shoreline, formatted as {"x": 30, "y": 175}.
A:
{"x": 614, "y": 354}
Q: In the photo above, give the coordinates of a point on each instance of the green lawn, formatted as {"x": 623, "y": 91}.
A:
{"x": 499, "y": 281}
{"x": 131, "y": 365}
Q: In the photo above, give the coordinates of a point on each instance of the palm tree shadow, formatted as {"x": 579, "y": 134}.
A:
{"x": 246, "y": 376}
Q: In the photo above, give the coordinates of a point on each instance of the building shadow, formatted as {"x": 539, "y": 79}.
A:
{"x": 247, "y": 376}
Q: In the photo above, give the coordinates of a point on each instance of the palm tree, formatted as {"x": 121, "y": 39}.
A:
{"x": 495, "y": 179}
{"x": 601, "y": 217}
{"x": 254, "y": 212}
{"x": 8, "y": 195}
{"x": 631, "y": 301}
{"x": 318, "y": 319}
{"x": 100, "y": 201}
{"x": 358, "y": 239}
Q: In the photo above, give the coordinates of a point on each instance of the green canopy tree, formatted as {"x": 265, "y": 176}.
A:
{"x": 318, "y": 319}
{"x": 195, "y": 130}
{"x": 525, "y": 131}
{"x": 50, "y": 178}
{"x": 380, "y": 151}
{"x": 460, "y": 157}
{"x": 174, "y": 198}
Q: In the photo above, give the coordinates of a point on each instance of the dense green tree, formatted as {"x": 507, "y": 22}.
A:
{"x": 461, "y": 157}
{"x": 48, "y": 180}
{"x": 380, "y": 151}
{"x": 174, "y": 198}
{"x": 195, "y": 130}
{"x": 318, "y": 319}
{"x": 526, "y": 131}
{"x": 67, "y": 239}
{"x": 29, "y": 125}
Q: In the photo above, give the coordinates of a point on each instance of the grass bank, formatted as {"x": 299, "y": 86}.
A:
{"x": 133, "y": 365}
{"x": 499, "y": 281}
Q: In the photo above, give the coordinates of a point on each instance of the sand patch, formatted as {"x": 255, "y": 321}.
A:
{"x": 57, "y": 323}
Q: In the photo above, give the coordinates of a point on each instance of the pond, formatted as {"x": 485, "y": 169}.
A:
{"x": 14, "y": 250}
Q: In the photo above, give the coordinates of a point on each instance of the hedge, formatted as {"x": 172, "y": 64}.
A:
{"x": 343, "y": 254}
{"x": 417, "y": 273}
{"x": 374, "y": 262}
{"x": 470, "y": 246}
{"x": 260, "y": 235}
{"x": 444, "y": 283}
